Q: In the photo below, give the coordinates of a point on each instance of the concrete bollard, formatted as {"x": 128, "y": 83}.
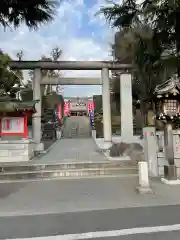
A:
{"x": 94, "y": 134}
{"x": 59, "y": 134}
{"x": 144, "y": 186}
{"x": 150, "y": 150}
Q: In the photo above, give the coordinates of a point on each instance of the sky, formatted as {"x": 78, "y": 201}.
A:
{"x": 77, "y": 30}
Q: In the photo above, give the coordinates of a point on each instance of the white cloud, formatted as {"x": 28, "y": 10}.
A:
{"x": 63, "y": 32}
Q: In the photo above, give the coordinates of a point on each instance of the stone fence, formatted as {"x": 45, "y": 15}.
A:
{"x": 154, "y": 151}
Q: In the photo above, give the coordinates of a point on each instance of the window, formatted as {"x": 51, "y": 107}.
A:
{"x": 171, "y": 105}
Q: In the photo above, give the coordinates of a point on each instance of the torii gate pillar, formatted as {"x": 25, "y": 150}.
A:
{"x": 36, "y": 120}
{"x": 106, "y": 105}
{"x": 126, "y": 106}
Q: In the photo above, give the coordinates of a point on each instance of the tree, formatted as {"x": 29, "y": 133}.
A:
{"x": 137, "y": 45}
{"x": 19, "y": 73}
{"x": 7, "y": 77}
{"x": 54, "y": 56}
{"x": 33, "y": 14}
{"x": 140, "y": 44}
{"x": 162, "y": 16}
{"x": 20, "y": 55}
{"x": 122, "y": 16}
{"x": 165, "y": 17}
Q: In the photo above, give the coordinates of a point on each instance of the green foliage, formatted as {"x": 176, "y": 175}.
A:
{"x": 33, "y": 14}
{"x": 54, "y": 56}
{"x": 7, "y": 77}
{"x": 27, "y": 94}
{"x": 157, "y": 32}
{"x": 98, "y": 102}
{"x": 121, "y": 15}
{"x": 165, "y": 16}
{"x": 51, "y": 100}
{"x": 149, "y": 37}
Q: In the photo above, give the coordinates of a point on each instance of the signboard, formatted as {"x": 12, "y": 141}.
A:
{"x": 12, "y": 126}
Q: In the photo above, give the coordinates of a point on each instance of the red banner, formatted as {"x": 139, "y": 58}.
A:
{"x": 59, "y": 111}
{"x": 66, "y": 108}
{"x": 91, "y": 106}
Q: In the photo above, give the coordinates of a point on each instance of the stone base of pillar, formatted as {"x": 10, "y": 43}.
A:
{"x": 107, "y": 144}
{"x": 170, "y": 182}
{"x": 170, "y": 175}
{"x": 170, "y": 172}
{"x": 144, "y": 190}
{"x": 39, "y": 147}
{"x": 93, "y": 134}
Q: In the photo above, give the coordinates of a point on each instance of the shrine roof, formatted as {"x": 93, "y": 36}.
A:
{"x": 15, "y": 105}
{"x": 171, "y": 86}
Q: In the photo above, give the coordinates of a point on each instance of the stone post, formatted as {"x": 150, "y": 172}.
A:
{"x": 126, "y": 107}
{"x": 168, "y": 143}
{"x": 169, "y": 171}
{"x": 106, "y": 105}
{"x": 150, "y": 150}
{"x": 144, "y": 185}
{"x": 36, "y": 120}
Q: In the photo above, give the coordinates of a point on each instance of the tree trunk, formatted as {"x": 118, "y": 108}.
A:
{"x": 143, "y": 91}
{"x": 143, "y": 112}
{"x": 177, "y": 31}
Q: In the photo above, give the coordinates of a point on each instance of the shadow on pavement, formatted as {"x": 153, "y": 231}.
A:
{"x": 7, "y": 189}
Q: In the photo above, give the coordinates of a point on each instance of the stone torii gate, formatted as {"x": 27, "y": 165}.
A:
{"x": 104, "y": 66}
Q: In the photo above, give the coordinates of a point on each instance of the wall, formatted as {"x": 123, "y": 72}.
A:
{"x": 154, "y": 151}
{"x": 75, "y": 108}
{"x": 16, "y": 150}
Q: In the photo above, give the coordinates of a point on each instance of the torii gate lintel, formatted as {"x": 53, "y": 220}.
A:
{"x": 69, "y": 65}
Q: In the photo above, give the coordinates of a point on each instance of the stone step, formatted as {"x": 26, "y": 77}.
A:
{"x": 67, "y": 173}
{"x": 20, "y": 167}
{"x": 76, "y": 137}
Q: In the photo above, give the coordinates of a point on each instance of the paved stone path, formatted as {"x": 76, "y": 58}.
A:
{"x": 74, "y": 147}
{"x": 73, "y": 150}
{"x": 77, "y": 127}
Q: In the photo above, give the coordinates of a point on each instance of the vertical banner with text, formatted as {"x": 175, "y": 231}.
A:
{"x": 91, "y": 113}
{"x": 66, "y": 108}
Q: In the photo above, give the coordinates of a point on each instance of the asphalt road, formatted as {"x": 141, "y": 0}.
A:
{"x": 95, "y": 221}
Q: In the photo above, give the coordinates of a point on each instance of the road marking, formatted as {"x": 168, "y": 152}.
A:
{"x": 103, "y": 234}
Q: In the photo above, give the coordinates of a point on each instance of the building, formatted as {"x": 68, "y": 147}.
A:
{"x": 78, "y": 105}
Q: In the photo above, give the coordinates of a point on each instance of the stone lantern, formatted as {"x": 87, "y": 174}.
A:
{"x": 168, "y": 111}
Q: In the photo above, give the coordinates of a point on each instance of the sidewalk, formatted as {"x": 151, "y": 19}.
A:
{"x": 81, "y": 195}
